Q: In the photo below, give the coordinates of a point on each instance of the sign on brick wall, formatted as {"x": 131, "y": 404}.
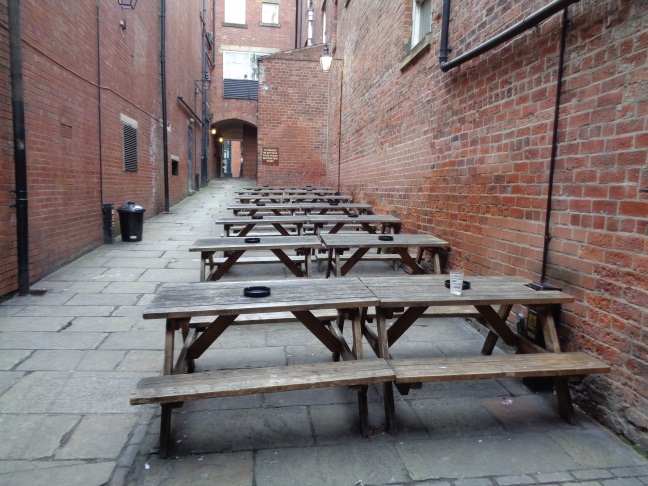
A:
{"x": 269, "y": 156}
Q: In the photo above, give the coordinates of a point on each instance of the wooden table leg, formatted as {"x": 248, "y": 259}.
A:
{"x": 223, "y": 269}
{"x": 285, "y": 259}
{"x": 409, "y": 261}
{"x": 492, "y": 337}
{"x": 388, "y": 391}
{"x": 351, "y": 262}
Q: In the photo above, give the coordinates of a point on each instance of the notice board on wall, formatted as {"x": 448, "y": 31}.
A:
{"x": 269, "y": 156}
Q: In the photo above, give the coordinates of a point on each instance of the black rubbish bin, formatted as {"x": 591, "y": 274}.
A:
{"x": 131, "y": 221}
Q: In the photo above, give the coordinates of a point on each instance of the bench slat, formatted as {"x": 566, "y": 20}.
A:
{"x": 222, "y": 383}
{"x": 260, "y": 259}
{"x": 500, "y": 366}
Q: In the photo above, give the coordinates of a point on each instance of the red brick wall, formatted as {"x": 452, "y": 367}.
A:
{"x": 465, "y": 155}
{"x": 292, "y": 117}
{"x": 67, "y": 181}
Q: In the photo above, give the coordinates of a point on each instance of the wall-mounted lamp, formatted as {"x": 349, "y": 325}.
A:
{"x": 122, "y": 25}
{"x": 213, "y": 131}
{"x": 127, "y": 4}
{"x": 220, "y": 139}
{"x": 326, "y": 59}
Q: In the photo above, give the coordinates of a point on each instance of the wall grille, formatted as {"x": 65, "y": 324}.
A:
{"x": 130, "y": 147}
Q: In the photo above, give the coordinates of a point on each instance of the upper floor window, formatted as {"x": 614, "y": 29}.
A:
{"x": 240, "y": 65}
{"x": 324, "y": 26}
{"x": 234, "y": 11}
{"x": 421, "y": 20}
{"x": 270, "y": 13}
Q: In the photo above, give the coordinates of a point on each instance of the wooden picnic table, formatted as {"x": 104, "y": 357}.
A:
{"x": 284, "y": 190}
{"x": 346, "y": 208}
{"x": 178, "y": 303}
{"x": 234, "y": 247}
{"x": 252, "y": 209}
{"x": 365, "y": 221}
{"x": 414, "y": 295}
{"x": 280, "y": 223}
{"x": 336, "y": 244}
{"x": 309, "y": 197}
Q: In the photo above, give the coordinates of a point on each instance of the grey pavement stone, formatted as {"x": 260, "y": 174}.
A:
{"x": 231, "y": 469}
{"x": 100, "y": 360}
{"x": 24, "y": 324}
{"x": 330, "y": 466}
{"x": 98, "y": 437}
{"x": 52, "y": 360}
{"x": 60, "y": 472}
{"x": 103, "y": 299}
{"x": 522, "y": 414}
{"x": 80, "y": 287}
{"x": 625, "y": 472}
{"x": 622, "y": 482}
{"x": 596, "y": 447}
{"x": 9, "y": 310}
{"x": 133, "y": 311}
{"x": 137, "y": 262}
{"x": 121, "y": 274}
{"x": 32, "y": 437}
{"x": 448, "y": 417}
{"x": 51, "y": 340}
{"x": 553, "y": 477}
{"x": 49, "y": 298}
{"x": 169, "y": 275}
{"x": 133, "y": 252}
{"x": 102, "y": 324}
{"x": 66, "y": 310}
{"x": 474, "y": 482}
{"x": 71, "y": 273}
{"x": 297, "y": 336}
{"x": 514, "y": 480}
{"x": 185, "y": 263}
{"x": 74, "y": 392}
{"x": 455, "y": 389}
{"x": 134, "y": 340}
{"x": 215, "y": 358}
{"x": 142, "y": 361}
{"x": 239, "y": 430}
{"x": 307, "y": 354}
{"x": 10, "y": 358}
{"x": 466, "y": 457}
{"x": 8, "y": 379}
{"x": 587, "y": 474}
{"x": 130, "y": 288}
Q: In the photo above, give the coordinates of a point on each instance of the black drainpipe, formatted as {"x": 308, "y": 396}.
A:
{"x": 20, "y": 152}
{"x": 554, "y": 148}
{"x": 516, "y": 29}
{"x": 165, "y": 142}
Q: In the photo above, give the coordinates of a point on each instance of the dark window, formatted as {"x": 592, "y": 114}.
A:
{"x": 130, "y": 147}
{"x": 174, "y": 167}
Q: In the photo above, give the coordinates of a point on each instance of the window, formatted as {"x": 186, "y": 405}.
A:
{"x": 234, "y": 11}
{"x": 324, "y": 24}
{"x": 270, "y": 13}
{"x": 240, "y": 65}
{"x": 421, "y": 20}
{"x": 129, "y": 127}
{"x": 175, "y": 165}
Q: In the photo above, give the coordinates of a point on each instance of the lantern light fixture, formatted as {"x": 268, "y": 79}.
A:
{"x": 213, "y": 131}
{"x": 326, "y": 59}
{"x": 127, "y": 4}
{"x": 220, "y": 139}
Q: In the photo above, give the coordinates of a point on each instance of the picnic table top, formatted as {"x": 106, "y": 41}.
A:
{"x": 363, "y": 240}
{"x": 424, "y": 290}
{"x": 232, "y": 243}
{"x": 360, "y": 218}
{"x": 266, "y": 219}
{"x": 241, "y": 206}
{"x": 176, "y": 300}
{"x": 341, "y": 205}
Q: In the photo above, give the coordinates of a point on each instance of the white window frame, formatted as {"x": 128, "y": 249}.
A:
{"x": 421, "y": 20}
{"x": 274, "y": 12}
{"x": 235, "y": 12}
{"x": 324, "y": 25}
{"x": 243, "y": 67}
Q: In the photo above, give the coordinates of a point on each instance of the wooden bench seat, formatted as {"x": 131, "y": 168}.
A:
{"x": 393, "y": 258}
{"x": 170, "y": 391}
{"x": 496, "y": 366}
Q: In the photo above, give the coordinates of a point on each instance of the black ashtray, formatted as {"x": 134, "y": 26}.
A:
{"x": 256, "y": 291}
{"x": 265, "y": 194}
{"x": 257, "y": 216}
{"x": 386, "y": 238}
{"x": 252, "y": 240}
{"x": 333, "y": 204}
{"x": 260, "y": 204}
{"x": 464, "y": 286}
{"x": 352, "y": 215}
{"x": 309, "y": 189}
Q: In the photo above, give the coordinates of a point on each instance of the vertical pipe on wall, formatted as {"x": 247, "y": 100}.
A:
{"x": 554, "y": 143}
{"x": 445, "y": 22}
{"x": 340, "y": 128}
{"x": 20, "y": 151}
{"x": 165, "y": 138}
{"x": 99, "y": 106}
{"x": 205, "y": 128}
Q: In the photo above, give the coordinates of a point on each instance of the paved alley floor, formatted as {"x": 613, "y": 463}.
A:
{"x": 70, "y": 357}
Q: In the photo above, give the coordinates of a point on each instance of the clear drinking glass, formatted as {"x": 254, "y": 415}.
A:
{"x": 456, "y": 281}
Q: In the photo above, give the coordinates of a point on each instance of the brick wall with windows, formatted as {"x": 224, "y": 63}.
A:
{"x": 67, "y": 179}
{"x": 465, "y": 155}
{"x": 292, "y": 118}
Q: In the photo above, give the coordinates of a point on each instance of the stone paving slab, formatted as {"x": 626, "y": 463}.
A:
{"x": 69, "y": 473}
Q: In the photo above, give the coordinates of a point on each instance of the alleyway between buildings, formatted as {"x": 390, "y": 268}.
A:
{"x": 71, "y": 356}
